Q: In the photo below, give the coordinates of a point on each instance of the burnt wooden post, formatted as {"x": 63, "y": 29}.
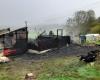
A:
{"x": 26, "y": 34}
{"x": 4, "y": 40}
{"x": 26, "y": 29}
{"x": 61, "y": 32}
{"x": 26, "y": 37}
{"x": 58, "y": 39}
{"x": 16, "y": 35}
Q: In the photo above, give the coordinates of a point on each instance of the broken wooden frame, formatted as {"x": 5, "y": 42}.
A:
{"x": 16, "y": 39}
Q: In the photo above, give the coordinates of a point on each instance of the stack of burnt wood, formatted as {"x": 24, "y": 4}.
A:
{"x": 91, "y": 56}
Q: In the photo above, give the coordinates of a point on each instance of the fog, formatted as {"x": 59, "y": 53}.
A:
{"x": 15, "y": 12}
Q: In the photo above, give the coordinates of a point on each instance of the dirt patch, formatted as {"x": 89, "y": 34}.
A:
{"x": 73, "y": 49}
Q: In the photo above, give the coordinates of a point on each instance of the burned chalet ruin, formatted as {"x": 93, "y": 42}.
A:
{"x": 13, "y": 42}
{"x": 51, "y": 41}
{"x": 16, "y": 41}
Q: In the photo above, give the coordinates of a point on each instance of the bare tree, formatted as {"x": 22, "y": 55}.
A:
{"x": 81, "y": 21}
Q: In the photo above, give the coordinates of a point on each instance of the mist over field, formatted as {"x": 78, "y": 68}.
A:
{"x": 13, "y": 13}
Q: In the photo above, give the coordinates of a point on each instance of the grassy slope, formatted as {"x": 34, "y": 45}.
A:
{"x": 64, "y": 68}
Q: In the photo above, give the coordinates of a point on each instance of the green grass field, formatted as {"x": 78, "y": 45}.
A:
{"x": 62, "y": 68}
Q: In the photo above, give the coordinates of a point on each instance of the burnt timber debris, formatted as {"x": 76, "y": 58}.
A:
{"x": 90, "y": 57}
{"x": 45, "y": 42}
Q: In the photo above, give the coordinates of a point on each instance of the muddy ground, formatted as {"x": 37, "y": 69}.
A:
{"x": 57, "y": 62}
{"x": 72, "y": 50}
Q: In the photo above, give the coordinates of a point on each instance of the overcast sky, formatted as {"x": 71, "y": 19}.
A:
{"x": 15, "y": 12}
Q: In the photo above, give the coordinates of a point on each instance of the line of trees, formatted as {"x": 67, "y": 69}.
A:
{"x": 84, "y": 22}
